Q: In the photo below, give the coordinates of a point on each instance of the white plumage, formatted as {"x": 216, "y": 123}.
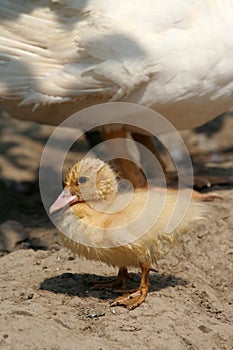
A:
{"x": 59, "y": 56}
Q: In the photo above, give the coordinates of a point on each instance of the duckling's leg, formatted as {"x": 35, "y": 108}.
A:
{"x": 119, "y": 282}
{"x": 132, "y": 300}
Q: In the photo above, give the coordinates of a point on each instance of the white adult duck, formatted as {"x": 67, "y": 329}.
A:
{"x": 60, "y": 56}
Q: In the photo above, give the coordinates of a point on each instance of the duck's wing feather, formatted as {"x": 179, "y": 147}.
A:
{"x": 84, "y": 52}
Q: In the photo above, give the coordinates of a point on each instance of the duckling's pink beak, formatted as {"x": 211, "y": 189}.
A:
{"x": 62, "y": 200}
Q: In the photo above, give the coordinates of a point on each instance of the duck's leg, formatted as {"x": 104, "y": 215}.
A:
{"x": 114, "y": 284}
{"x": 126, "y": 168}
{"x": 147, "y": 141}
{"x": 205, "y": 197}
{"x": 132, "y": 300}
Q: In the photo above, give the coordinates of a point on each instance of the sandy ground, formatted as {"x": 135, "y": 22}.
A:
{"x": 45, "y": 292}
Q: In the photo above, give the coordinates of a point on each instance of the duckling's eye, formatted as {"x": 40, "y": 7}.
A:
{"x": 82, "y": 180}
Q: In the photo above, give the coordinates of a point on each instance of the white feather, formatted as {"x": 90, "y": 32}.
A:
{"x": 175, "y": 57}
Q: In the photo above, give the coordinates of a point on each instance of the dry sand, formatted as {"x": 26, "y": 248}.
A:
{"x": 45, "y": 292}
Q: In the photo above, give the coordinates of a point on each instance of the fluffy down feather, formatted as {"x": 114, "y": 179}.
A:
{"x": 120, "y": 229}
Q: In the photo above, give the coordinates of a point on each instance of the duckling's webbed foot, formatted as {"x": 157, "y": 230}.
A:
{"x": 132, "y": 300}
{"x": 114, "y": 284}
{"x": 136, "y": 298}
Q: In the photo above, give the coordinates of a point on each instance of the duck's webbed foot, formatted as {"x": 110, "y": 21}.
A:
{"x": 136, "y": 298}
{"x": 119, "y": 282}
{"x": 205, "y": 197}
{"x": 131, "y": 300}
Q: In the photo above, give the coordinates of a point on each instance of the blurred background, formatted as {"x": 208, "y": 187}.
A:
{"x": 21, "y": 145}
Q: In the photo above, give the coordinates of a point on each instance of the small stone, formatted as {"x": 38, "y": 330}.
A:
{"x": 71, "y": 258}
{"x": 26, "y": 245}
{"x": 204, "y": 329}
{"x": 95, "y": 313}
{"x": 30, "y": 296}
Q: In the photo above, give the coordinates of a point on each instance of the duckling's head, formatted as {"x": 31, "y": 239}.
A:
{"x": 87, "y": 181}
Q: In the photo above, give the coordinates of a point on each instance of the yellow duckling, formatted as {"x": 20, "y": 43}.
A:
{"x": 125, "y": 229}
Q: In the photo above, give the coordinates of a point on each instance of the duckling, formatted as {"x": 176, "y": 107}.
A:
{"x": 101, "y": 222}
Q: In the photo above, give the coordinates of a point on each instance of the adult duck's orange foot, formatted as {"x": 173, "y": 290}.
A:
{"x": 119, "y": 282}
{"x": 136, "y": 298}
{"x": 206, "y": 197}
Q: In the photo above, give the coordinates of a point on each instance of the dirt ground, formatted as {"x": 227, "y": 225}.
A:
{"x": 46, "y": 298}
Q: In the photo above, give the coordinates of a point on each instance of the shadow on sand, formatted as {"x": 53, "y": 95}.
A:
{"x": 80, "y": 284}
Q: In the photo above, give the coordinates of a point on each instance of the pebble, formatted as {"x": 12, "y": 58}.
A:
{"x": 95, "y": 313}
{"x": 30, "y": 296}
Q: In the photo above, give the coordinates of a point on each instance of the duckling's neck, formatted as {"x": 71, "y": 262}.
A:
{"x": 81, "y": 210}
